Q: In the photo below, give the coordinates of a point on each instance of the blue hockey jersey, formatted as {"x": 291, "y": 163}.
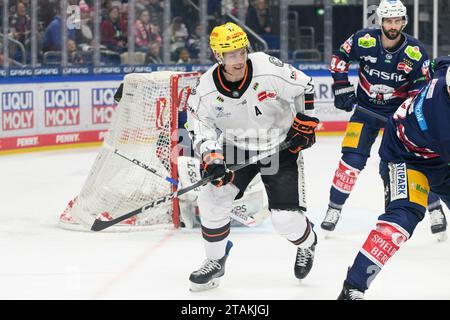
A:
{"x": 419, "y": 132}
{"x": 386, "y": 78}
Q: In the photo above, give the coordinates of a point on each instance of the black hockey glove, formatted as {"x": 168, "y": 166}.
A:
{"x": 118, "y": 94}
{"x": 344, "y": 96}
{"x": 214, "y": 165}
{"x": 302, "y": 133}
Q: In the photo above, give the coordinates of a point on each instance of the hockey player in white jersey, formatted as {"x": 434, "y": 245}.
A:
{"x": 245, "y": 104}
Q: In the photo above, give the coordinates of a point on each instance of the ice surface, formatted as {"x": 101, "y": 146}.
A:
{"x": 40, "y": 261}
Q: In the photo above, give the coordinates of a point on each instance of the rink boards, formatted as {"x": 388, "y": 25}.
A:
{"x": 54, "y": 111}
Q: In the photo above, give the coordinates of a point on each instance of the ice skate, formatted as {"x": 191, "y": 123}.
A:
{"x": 330, "y": 221}
{"x": 208, "y": 276}
{"x": 304, "y": 260}
{"x": 438, "y": 224}
{"x": 350, "y": 293}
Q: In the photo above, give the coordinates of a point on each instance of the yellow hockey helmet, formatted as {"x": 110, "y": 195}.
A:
{"x": 227, "y": 37}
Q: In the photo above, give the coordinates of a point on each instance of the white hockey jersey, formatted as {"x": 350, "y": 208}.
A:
{"x": 257, "y": 115}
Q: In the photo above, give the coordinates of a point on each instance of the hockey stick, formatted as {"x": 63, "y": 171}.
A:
{"x": 249, "y": 222}
{"x": 371, "y": 113}
{"x": 99, "y": 225}
{"x": 146, "y": 167}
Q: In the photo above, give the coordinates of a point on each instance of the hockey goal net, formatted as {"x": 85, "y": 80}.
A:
{"x": 144, "y": 127}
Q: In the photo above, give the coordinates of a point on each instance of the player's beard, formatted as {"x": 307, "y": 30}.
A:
{"x": 391, "y": 34}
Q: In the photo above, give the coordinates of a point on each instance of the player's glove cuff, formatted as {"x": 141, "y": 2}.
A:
{"x": 214, "y": 166}
{"x": 301, "y": 134}
{"x": 344, "y": 96}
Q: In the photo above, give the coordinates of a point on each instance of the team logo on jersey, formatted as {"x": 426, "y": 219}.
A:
{"x": 352, "y": 135}
{"x": 220, "y": 99}
{"x": 418, "y": 111}
{"x": 347, "y": 45}
{"x": 275, "y": 61}
{"x": 405, "y": 67}
{"x": 255, "y": 86}
{"x": 220, "y": 112}
{"x": 431, "y": 89}
{"x": 413, "y": 52}
{"x": 384, "y": 75}
{"x": 398, "y": 181}
{"x": 369, "y": 59}
{"x": 266, "y": 95}
{"x": 367, "y": 41}
{"x": 418, "y": 187}
{"x": 426, "y": 69}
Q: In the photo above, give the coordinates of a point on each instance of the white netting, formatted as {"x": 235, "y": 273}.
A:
{"x": 141, "y": 129}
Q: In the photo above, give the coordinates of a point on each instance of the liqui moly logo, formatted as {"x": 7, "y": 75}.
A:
{"x": 103, "y": 105}
{"x": 17, "y": 110}
{"x": 62, "y": 107}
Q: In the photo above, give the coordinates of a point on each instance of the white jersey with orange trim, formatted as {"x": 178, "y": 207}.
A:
{"x": 254, "y": 114}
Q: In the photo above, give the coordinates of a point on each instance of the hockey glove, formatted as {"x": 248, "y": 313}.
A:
{"x": 118, "y": 94}
{"x": 344, "y": 96}
{"x": 214, "y": 165}
{"x": 301, "y": 134}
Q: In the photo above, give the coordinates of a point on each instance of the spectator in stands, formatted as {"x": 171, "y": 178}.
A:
{"x": 142, "y": 31}
{"x": 232, "y": 7}
{"x": 258, "y": 17}
{"x": 141, "y": 5}
{"x": 155, "y": 34}
{"x": 214, "y": 8}
{"x": 46, "y": 12}
{"x": 193, "y": 42}
{"x": 52, "y": 36}
{"x": 85, "y": 35}
{"x": 73, "y": 55}
{"x": 178, "y": 34}
{"x": 20, "y": 24}
{"x": 124, "y": 13}
{"x": 1, "y": 15}
{"x": 185, "y": 10}
{"x": 114, "y": 32}
{"x": 183, "y": 56}
{"x": 156, "y": 13}
{"x": 20, "y": 28}
{"x": 153, "y": 54}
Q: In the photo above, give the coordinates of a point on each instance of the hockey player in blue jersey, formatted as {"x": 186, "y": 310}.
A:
{"x": 415, "y": 154}
{"x": 391, "y": 70}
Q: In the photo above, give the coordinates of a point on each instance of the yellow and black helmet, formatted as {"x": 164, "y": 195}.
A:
{"x": 227, "y": 37}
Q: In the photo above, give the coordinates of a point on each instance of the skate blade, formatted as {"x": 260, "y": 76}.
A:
{"x": 196, "y": 287}
{"x": 441, "y": 236}
{"x": 327, "y": 235}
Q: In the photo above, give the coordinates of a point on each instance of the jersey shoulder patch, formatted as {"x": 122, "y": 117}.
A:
{"x": 413, "y": 52}
{"x": 275, "y": 61}
{"x": 366, "y": 38}
{"x": 367, "y": 41}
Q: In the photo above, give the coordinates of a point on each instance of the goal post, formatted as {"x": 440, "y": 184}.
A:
{"x": 144, "y": 127}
